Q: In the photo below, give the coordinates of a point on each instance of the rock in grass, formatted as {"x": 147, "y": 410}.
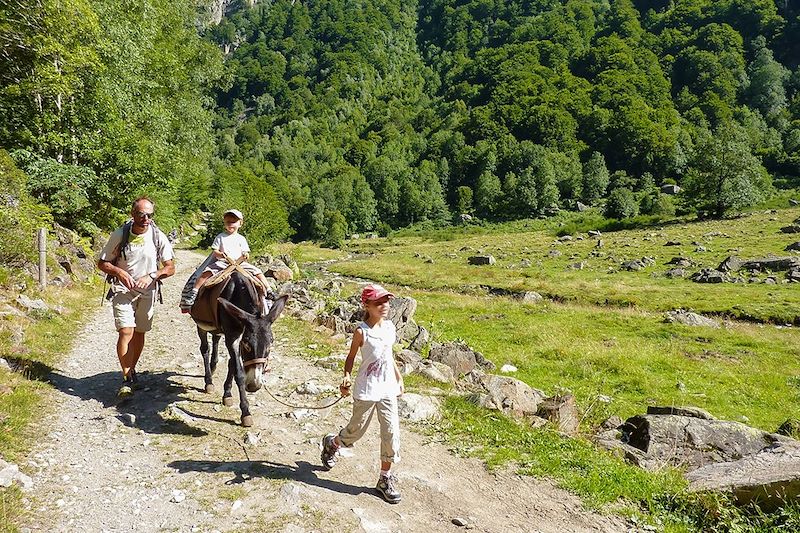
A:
{"x": 690, "y": 442}
{"x": 768, "y": 478}
{"x": 790, "y": 428}
{"x": 708, "y": 275}
{"x": 415, "y": 407}
{"x": 561, "y": 410}
{"x": 460, "y": 357}
{"x": 690, "y": 319}
{"x": 481, "y": 260}
{"x": 10, "y": 474}
{"x": 794, "y": 247}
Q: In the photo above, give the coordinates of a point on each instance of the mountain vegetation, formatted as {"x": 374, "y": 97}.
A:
{"x": 322, "y": 119}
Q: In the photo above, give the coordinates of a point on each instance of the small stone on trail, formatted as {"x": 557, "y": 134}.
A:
{"x": 236, "y": 506}
{"x": 252, "y": 438}
{"x": 178, "y": 496}
{"x": 505, "y": 369}
{"x": 459, "y": 521}
{"x": 127, "y": 418}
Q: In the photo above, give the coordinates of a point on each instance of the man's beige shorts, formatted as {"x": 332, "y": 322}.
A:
{"x": 134, "y": 310}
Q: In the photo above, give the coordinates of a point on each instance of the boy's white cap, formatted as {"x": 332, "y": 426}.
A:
{"x": 234, "y": 212}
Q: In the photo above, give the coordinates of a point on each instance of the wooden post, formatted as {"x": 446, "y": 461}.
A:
{"x": 42, "y": 257}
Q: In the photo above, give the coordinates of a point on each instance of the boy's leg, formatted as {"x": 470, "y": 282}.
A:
{"x": 189, "y": 297}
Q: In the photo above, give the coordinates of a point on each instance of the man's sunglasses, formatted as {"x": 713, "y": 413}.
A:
{"x": 142, "y": 214}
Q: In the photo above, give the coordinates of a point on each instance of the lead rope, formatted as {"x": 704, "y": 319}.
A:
{"x": 337, "y": 400}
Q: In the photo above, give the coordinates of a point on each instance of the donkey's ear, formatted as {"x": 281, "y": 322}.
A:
{"x": 239, "y": 314}
{"x": 277, "y": 308}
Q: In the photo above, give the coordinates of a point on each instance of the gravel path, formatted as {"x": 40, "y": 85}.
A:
{"x": 174, "y": 459}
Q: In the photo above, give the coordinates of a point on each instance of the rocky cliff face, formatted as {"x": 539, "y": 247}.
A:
{"x": 219, "y": 8}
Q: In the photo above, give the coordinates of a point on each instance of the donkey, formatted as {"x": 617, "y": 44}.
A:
{"x": 242, "y": 318}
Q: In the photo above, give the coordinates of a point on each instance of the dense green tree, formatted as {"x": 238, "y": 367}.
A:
{"x": 621, "y": 203}
{"x": 725, "y": 175}
{"x": 595, "y": 178}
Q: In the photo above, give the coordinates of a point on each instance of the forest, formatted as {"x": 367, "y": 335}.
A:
{"x": 322, "y": 119}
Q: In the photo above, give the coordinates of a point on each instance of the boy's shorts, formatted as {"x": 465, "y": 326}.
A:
{"x": 220, "y": 265}
{"x": 134, "y": 310}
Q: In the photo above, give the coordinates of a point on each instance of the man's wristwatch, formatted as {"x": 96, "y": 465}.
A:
{"x": 153, "y": 275}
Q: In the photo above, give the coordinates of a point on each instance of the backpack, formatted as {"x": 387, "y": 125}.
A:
{"x": 124, "y": 245}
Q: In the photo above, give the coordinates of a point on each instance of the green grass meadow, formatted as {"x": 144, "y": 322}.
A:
{"x": 601, "y": 334}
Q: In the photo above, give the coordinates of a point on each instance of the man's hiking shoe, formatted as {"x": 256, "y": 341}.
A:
{"x": 125, "y": 391}
{"x": 329, "y": 451}
{"x": 133, "y": 379}
{"x": 387, "y": 486}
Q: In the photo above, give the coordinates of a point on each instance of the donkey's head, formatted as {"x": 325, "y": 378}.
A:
{"x": 256, "y": 340}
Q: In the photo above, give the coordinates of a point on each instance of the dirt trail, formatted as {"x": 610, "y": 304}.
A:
{"x": 173, "y": 459}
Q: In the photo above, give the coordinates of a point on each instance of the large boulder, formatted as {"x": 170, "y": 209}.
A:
{"x": 279, "y": 271}
{"x": 415, "y": 407}
{"x": 730, "y": 264}
{"x": 401, "y": 312}
{"x": 504, "y": 393}
{"x": 772, "y": 264}
{"x": 481, "y": 260}
{"x": 690, "y": 319}
{"x": 460, "y": 357}
{"x": 438, "y": 372}
{"x": 562, "y": 411}
{"x": 408, "y": 361}
{"x": 708, "y": 275}
{"x": 690, "y": 442}
{"x": 769, "y": 478}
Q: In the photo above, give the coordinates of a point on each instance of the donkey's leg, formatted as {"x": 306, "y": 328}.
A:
{"x": 227, "y": 396}
{"x": 236, "y": 369}
{"x": 207, "y": 367}
{"x": 214, "y": 351}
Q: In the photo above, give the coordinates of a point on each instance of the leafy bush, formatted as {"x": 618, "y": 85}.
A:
{"x": 621, "y": 203}
{"x": 20, "y": 216}
{"x": 337, "y": 229}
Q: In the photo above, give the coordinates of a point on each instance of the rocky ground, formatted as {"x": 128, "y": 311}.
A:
{"x": 174, "y": 459}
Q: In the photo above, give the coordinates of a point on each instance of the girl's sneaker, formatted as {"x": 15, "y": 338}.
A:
{"x": 387, "y": 486}
{"x": 329, "y": 450}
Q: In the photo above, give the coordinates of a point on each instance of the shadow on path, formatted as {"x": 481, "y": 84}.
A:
{"x": 303, "y": 471}
{"x": 156, "y": 391}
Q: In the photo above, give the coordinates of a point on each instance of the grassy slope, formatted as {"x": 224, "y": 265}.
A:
{"x": 745, "y": 371}
{"x": 600, "y": 281}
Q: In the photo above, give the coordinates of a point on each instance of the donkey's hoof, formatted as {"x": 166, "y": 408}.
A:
{"x": 209, "y": 388}
{"x": 227, "y": 401}
{"x": 247, "y": 421}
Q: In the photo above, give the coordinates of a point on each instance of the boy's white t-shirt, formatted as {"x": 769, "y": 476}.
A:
{"x": 376, "y": 379}
{"x": 233, "y": 245}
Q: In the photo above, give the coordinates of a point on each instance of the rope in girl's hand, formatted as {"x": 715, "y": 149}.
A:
{"x": 337, "y": 400}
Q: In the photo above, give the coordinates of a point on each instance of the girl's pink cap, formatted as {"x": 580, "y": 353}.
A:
{"x": 374, "y": 292}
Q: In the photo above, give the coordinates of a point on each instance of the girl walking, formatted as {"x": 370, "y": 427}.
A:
{"x": 377, "y": 386}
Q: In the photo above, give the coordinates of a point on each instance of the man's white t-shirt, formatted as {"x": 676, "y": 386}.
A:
{"x": 233, "y": 245}
{"x": 141, "y": 257}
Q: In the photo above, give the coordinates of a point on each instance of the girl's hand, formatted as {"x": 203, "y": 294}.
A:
{"x": 344, "y": 388}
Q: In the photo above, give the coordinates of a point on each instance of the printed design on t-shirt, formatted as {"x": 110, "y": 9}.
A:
{"x": 136, "y": 241}
{"x": 375, "y": 368}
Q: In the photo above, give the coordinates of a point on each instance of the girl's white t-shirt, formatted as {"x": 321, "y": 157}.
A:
{"x": 234, "y": 245}
{"x": 376, "y": 379}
